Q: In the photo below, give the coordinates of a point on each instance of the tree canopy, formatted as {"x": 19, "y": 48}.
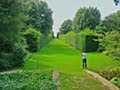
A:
{"x": 12, "y": 20}
{"x": 66, "y": 26}
{"x": 86, "y": 18}
{"x": 110, "y": 23}
{"x": 40, "y": 16}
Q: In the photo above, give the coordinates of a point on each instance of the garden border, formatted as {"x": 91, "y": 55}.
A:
{"x": 108, "y": 85}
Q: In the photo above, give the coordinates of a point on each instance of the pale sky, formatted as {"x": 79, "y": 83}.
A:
{"x": 66, "y": 9}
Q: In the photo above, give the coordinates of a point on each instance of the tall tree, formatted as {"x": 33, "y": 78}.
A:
{"x": 86, "y": 18}
{"x": 110, "y": 23}
{"x": 66, "y": 26}
{"x": 40, "y": 16}
{"x": 12, "y": 20}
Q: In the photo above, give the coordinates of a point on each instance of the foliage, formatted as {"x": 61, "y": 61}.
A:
{"x": 66, "y": 26}
{"x": 33, "y": 38}
{"x": 110, "y": 23}
{"x": 111, "y": 44}
{"x": 88, "y": 32}
{"x": 14, "y": 14}
{"x": 12, "y": 21}
{"x": 109, "y": 74}
{"x": 86, "y": 18}
{"x": 40, "y": 16}
{"x": 84, "y": 40}
{"x": 15, "y": 58}
{"x": 27, "y": 81}
{"x": 67, "y": 60}
{"x": 115, "y": 81}
{"x": 36, "y": 40}
{"x": 113, "y": 75}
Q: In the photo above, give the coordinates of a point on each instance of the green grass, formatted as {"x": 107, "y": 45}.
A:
{"x": 67, "y": 60}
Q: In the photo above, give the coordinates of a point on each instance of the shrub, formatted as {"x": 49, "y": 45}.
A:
{"x": 27, "y": 81}
{"x": 33, "y": 38}
{"x": 109, "y": 74}
{"x": 115, "y": 81}
{"x": 111, "y": 44}
{"x": 113, "y": 75}
{"x": 15, "y": 58}
{"x": 36, "y": 40}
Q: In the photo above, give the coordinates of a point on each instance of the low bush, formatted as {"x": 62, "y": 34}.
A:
{"x": 115, "y": 81}
{"x": 113, "y": 75}
{"x": 27, "y": 81}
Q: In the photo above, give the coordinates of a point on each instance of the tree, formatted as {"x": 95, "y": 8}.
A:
{"x": 12, "y": 21}
{"x": 66, "y": 26}
{"x": 110, "y": 41}
{"x": 116, "y": 2}
{"x": 86, "y": 18}
{"x": 40, "y": 16}
{"x": 110, "y": 23}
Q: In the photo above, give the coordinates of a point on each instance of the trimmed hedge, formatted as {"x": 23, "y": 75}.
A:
{"x": 84, "y": 40}
{"x": 87, "y": 43}
{"x": 36, "y": 40}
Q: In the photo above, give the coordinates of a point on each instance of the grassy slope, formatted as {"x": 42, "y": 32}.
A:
{"x": 67, "y": 60}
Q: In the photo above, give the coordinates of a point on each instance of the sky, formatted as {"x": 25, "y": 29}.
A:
{"x": 66, "y": 9}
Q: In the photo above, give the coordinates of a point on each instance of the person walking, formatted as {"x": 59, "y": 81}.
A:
{"x": 84, "y": 60}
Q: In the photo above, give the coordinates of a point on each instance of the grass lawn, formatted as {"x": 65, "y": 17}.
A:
{"x": 67, "y": 60}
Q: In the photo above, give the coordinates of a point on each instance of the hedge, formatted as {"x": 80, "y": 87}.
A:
{"x": 36, "y": 40}
{"x": 84, "y": 40}
{"x": 87, "y": 43}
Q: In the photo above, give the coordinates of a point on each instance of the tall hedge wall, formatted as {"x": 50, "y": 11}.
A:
{"x": 81, "y": 41}
{"x": 87, "y": 43}
{"x": 36, "y": 40}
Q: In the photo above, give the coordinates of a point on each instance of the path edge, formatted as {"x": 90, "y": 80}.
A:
{"x": 56, "y": 79}
{"x": 108, "y": 85}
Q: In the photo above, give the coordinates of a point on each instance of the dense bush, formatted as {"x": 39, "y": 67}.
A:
{"x": 84, "y": 40}
{"x": 15, "y": 58}
{"x": 33, "y": 38}
{"x": 36, "y": 40}
{"x": 110, "y": 41}
{"x": 27, "y": 81}
{"x": 12, "y": 21}
{"x": 112, "y": 75}
{"x": 11, "y": 55}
